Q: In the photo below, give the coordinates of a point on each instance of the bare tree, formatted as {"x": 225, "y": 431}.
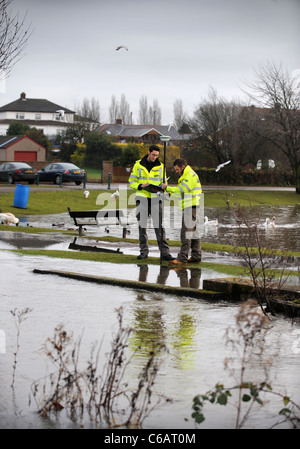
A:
{"x": 154, "y": 113}
{"x": 215, "y": 122}
{"x": 13, "y": 38}
{"x": 113, "y": 109}
{"x": 274, "y": 89}
{"x": 124, "y": 110}
{"x": 143, "y": 112}
{"x": 90, "y": 109}
{"x": 180, "y": 116}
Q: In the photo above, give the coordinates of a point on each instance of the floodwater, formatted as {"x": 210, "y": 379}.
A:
{"x": 193, "y": 330}
{"x": 285, "y": 235}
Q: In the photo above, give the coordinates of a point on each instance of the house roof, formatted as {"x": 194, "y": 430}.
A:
{"x": 122, "y": 130}
{"x": 7, "y": 141}
{"x": 24, "y": 104}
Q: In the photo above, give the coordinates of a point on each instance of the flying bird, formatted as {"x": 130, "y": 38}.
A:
{"x": 7, "y": 218}
{"x": 121, "y": 46}
{"x": 222, "y": 165}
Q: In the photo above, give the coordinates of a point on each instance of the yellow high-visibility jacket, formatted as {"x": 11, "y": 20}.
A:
{"x": 188, "y": 189}
{"x": 140, "y": 175}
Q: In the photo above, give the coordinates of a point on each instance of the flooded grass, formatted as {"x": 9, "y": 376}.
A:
{"x": 206, "y": 246}
{"x": 232, "y": 270}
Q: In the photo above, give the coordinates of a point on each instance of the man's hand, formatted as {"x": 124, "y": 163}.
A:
{"x": 163, "y": 186}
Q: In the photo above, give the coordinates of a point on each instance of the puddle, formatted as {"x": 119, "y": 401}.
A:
{"x": 192, "y": 330}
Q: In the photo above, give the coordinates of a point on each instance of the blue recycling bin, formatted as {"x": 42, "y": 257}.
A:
{"x": 21, "y": 196}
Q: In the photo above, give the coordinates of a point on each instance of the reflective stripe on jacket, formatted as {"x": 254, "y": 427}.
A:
{"x": 188, "y": 189}
{"x": 140, "y": 175}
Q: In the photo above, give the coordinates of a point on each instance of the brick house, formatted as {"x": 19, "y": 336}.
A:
{"x": 22, "y": 149}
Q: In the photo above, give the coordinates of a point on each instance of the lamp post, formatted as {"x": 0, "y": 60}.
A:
{"x": 164, "y": 139}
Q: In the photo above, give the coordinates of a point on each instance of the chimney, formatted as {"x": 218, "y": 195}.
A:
{"x": 23, "y": 96}
{"x": 119, "y": 121}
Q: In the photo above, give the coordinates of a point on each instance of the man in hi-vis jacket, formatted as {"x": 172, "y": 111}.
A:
{"x": 146, "y": 174}
{"x": 188, "y": 191}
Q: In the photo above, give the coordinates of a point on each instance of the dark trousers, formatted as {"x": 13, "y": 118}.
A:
{"x": 146, "y": 207}
{"x": 189, "y": 235}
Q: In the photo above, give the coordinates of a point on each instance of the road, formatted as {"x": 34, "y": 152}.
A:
{"x": 4, "y": 188}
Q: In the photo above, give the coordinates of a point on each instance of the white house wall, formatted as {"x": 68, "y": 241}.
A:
{"x": 9, "y": 115}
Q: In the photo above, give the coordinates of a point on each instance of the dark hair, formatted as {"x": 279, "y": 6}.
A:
{"x": 180, "y": 162}
{"x": 153, "y": 148}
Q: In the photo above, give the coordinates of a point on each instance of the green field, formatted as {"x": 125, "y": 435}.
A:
{"x": 57, "y": 201}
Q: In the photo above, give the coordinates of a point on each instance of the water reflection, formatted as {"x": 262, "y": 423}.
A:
{"x": 29, "y": 241}
{"x": 153, "y": 328}
{"x": 193, "y": 282}
{"x": 182, "y": 274}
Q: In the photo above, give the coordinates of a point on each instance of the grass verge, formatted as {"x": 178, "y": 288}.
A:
{"x": 231, "y": 270}
{"x": 57, "y": 202}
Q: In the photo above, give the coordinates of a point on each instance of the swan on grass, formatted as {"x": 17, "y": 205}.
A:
{"x": 116, "y": 195}
{"x": 8, "y": 218}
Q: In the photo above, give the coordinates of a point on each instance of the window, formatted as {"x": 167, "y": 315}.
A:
{"x": 38, "y": 116}
{"x": 20, "y": 116}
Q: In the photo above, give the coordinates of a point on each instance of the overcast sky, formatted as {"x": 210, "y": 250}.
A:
{"x": 177, "y": 49}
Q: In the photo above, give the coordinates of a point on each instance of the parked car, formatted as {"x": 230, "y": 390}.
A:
{"x": 61, "y": 171}
{"x": 12, "y": 172}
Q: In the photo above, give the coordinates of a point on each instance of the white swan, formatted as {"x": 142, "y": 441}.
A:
{"x": 7, "y": 218}
{"x": 211, "y": 222}
{"x": 270, "y": 223}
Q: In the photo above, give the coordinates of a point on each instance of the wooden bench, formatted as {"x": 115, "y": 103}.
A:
{"x": 80, "y": 218}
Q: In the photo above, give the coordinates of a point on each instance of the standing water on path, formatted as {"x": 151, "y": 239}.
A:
{"x": 193, "y": 332}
